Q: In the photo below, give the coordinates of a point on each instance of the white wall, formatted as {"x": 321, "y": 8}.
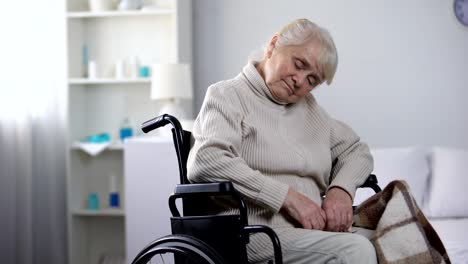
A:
{"x": 402, "y": 76}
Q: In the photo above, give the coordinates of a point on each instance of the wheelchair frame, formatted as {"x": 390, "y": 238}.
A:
{"x": 194, "y": 236}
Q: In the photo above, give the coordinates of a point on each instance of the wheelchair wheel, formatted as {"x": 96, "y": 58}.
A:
{"x": 178, "y": 249}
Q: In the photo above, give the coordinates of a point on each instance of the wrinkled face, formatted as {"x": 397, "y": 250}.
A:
{"x": 291, "y": 72}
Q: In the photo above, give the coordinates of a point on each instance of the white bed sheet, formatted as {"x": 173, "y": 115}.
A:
{"x": 454, "y": 235}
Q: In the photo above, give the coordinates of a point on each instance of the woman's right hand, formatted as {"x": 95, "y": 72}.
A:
{"x": 305, "y": 211}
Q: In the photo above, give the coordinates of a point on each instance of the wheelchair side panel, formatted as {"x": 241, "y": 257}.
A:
{"x": 222, "y": 232}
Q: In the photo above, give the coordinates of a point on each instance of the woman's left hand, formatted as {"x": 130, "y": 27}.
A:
{"x": 338, "y": 207}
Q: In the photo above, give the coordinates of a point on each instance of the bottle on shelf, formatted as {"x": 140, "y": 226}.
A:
{"x": 92, "y": 70}
{"x": 85, "y": 60}
{"x": 126, "y": 130}
{"x": 114, "y": 200}
{"x": 93, "y": 201}
{"x": 119, "y": 73}
{"x": 132, "y": 67}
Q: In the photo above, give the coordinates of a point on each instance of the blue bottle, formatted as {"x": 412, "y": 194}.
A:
{"x": 125, "y": 130}
{"x": 93, "y": 201}
{"x": 114, "y": 200}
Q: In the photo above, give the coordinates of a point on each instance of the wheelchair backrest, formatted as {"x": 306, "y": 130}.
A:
{"x": 222, "y": 232}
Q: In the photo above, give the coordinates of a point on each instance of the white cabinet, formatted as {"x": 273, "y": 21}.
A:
{"x": 100, "y": 104}
{"x": 151, "y": 174}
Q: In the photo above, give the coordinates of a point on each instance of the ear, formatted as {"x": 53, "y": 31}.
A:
{"x": 271, "y": 46}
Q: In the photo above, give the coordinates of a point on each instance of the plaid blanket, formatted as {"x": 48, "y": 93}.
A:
{"x": 402, "y": 232}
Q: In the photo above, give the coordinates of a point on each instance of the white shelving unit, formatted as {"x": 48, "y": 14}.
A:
{"x": 99, "y": 105}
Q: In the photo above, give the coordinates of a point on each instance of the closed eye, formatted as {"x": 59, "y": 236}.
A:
{"x": 299, "y": 64}
{"x": 312, "y": 80}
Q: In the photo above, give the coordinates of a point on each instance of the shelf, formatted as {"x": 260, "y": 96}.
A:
{"x": 115, "y": 146}
{"x": 109, "y": 81}
{"x": 101, "y": 212}
{"x": 103, "y": 14}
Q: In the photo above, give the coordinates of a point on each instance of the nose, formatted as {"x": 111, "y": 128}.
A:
{"x": 299, "y": 79}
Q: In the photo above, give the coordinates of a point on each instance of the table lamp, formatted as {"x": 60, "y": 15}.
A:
{"x": 169, "y": 83}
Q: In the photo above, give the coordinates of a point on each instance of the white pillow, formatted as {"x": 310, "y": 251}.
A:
{"x": 410, "y": 164}
{"x": 449, "y": 183}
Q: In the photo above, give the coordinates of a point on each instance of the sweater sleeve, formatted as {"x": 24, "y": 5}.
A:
{"x": 215, "y": 155}
{"x": 352, "y": 161}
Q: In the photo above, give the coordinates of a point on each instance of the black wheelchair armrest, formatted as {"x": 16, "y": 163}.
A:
{"x": 211, "y": 188}
{"x": 206, "y": 190}
{"x": 371, "y": 182}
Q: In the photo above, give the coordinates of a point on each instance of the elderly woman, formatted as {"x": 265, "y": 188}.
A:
{"x": 297, "y": 167}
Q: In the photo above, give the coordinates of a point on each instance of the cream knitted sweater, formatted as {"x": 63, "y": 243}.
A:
{"x": 242, "y": 134}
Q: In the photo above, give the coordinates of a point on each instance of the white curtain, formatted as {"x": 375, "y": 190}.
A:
{"x": 33, "y": 132}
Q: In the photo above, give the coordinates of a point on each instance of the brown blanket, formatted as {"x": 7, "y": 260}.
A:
{"x": 402, "y": 232}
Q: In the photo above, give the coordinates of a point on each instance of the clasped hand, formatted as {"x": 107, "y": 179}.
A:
{"x": 336, "y": 213}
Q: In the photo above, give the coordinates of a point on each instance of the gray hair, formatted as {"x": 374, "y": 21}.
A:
{"x": 299, "y": 32}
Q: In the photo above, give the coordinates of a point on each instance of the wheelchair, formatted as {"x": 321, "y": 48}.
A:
{"x": 200, "y": 238}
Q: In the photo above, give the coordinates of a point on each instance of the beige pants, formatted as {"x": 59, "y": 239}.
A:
{"x": 301, "y": 246}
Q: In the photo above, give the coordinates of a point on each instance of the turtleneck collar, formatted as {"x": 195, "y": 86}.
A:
{"x": 254, "y": 77}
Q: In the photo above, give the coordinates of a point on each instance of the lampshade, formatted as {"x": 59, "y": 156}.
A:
{"x": 171, "y": 81}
